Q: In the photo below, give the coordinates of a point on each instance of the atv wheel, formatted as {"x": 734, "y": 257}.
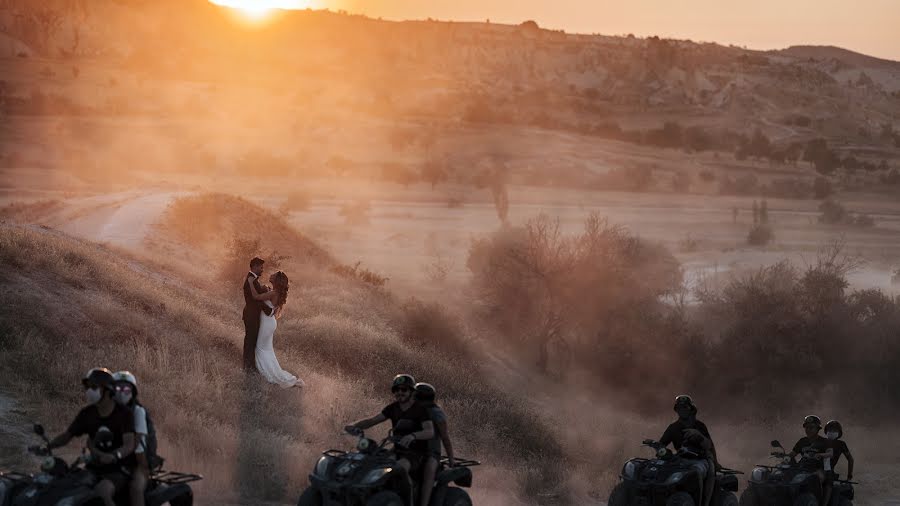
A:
{"x": 456, "y": 497}
{"x": 385, "y": 498}
{"x": 843, "y": 501}
{"x": 806, "y": 499}
{"x": 680, "y": 499}
{"x": 749, "y": 497}
{"x": 619, "y": 496}
{"x": 727, "y": 499}
{"x": 310, "y": 497}
{"x": 183, "y": 500}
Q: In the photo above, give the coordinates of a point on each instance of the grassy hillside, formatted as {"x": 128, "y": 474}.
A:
{"x": 68, "y": 305}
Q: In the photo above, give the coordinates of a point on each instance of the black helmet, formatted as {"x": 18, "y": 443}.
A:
{"x": 403, "y": 380}
{"x": 101, "y": 377}
{"x": 812, "y": 420}
{"x": 836, "y": 426}
{"x": 425, "y": 392}
{"x": 685, "y": 400}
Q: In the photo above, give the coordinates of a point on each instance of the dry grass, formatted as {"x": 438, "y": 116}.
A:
{"x": 68, "y": 305}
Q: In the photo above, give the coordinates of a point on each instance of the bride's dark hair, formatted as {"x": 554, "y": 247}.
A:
{"x": 281, "y": 284}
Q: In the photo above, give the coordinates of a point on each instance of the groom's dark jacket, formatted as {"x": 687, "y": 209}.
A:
{"x": 252, "y": 307}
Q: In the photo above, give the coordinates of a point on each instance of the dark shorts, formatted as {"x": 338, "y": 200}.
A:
{"x": 416, "y": 459}
{"x": 117, "y": 475}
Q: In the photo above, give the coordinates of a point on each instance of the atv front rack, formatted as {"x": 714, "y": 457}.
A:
{"x": 460, "y": 462}
{"x": 16, "y": 476}
{"x": 174, "y": 478}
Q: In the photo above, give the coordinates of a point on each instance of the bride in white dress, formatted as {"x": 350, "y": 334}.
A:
{"x": 266, "y": 361}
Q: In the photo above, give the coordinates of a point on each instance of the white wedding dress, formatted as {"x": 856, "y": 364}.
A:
{"x": 266, "y": 362}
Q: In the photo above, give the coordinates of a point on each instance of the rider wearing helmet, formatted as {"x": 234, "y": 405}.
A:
{"x": 410, "y": 422}
{"x": 425, "y": 394}
{"x": 814, "y": 450}
{"x": 834, "y": 432}
{"x": 692, "y": 434}
{"x": 100, "y": 415}
{"x": 126, "y": 395}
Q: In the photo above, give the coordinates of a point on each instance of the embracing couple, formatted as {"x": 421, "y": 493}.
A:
{"x": 263, "y": 305}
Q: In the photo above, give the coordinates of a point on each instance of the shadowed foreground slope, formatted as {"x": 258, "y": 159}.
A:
{"x": 67, "y": 305}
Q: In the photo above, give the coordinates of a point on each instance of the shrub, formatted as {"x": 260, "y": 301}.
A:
{"x": 821, "y": 188}
{"x": 832, "y": 213}
{"x": 760, "y": 235}
{"x": 237, "y": 259}
{"x": 356, "y": 213}
{"x": 707, "y": 175}
{"x": 363, "y": 275}
{"x": 542, "y": 288}
{"x": 296, "y": 201}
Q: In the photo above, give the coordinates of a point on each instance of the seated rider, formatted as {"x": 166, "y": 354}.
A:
{"x": 126, "y": 396}
{"x": 834, "y": 432}
{"x": 425, "y": 395}
{"x": 102, "y": 413}
{"x": 410, "y": 421}
{"x": 692, "y": 434}
{"x": 813, "y": 450}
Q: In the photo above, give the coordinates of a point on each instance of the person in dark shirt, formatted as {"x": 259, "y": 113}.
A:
{"x": 813, "y": 450}
{"x": 425, "y": 395}
{"x": 692, "y": 434}
{"x": 103, "y": 415}
{"x": 410, "y": 421}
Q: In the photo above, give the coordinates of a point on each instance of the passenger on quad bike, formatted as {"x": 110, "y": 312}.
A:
{"x": 425, "y": 395}
{"x": 690, "y": 432}
{"x": 103, "y": 414}
{"x": 410, "y": 422}
{"x": 834, "y": 432}
{"x": 126, "y": 396}
{"x": 813, "y": 450}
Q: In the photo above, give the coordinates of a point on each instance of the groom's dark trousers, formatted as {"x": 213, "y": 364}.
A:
{"x": 252, "y": 307}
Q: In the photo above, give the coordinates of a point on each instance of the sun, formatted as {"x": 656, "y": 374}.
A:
{"x": 259, "y": 9}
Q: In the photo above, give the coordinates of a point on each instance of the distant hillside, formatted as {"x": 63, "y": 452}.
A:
{"x": 837, "y": 53}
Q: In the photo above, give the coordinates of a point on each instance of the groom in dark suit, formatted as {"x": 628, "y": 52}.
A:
{"x": 252, "y": 307}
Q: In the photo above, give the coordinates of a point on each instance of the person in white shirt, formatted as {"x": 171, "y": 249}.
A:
{"x": 126, "y": 395}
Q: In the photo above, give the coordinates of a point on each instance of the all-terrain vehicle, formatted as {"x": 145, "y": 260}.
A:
{"x": 63, "y": 484}
{"x": 789, "y": 483}
{"x": 370, "y": 476}
{"x": 669, "y": 479}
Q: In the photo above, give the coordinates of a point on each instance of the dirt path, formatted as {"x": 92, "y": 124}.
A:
{"x": 123, "y": 219}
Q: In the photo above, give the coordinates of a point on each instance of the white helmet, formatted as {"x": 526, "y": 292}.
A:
{"x": 127, "y": 377}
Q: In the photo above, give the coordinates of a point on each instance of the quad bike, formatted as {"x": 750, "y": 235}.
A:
{"x": 371, "y": 476}
{"x": 670, "y": 479}
{"x": 62, "y": 484}
{"x": 789, "y": 483}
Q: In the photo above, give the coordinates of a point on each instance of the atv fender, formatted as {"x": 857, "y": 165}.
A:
{"x": 729, "y": 483}
{"x": 461, "y": 476}
{"x": 179, "y": 494}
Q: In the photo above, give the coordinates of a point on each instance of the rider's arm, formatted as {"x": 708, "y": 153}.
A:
{"x": 60, "y": 440}
{"x": 427, "y": 431}
{"x": 668, "y": 436}
{"x": 445, "y": 438}
{"x": 128, "y": 445}
{"x": 849, "y": 463}
{"x": 370, "y": 422}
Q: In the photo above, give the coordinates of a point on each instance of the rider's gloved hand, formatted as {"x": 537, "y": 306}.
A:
{"x": 849, "y": 476}
{"x": 451, "y": 462}
{"x": 406, "y": 440}
{"x": 40, "y": 451}
{"x": 353, "y": 430}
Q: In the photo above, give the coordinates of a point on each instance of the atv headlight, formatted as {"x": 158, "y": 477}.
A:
{"x": 629, "y": 470}
{"x": 674, "y": 478}
{"x": 322, "y": 466}
{"x": 759, "y": 474}
{"x": 800, "y": 478}
{"x": 374, "y": 475}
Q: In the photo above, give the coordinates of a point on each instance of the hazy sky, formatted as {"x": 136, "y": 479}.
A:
{"x": 866, "y": 26}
